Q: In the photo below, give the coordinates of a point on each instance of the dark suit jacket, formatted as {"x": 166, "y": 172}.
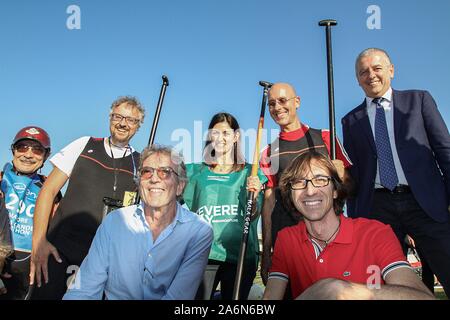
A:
{"x": 423, "y": 145}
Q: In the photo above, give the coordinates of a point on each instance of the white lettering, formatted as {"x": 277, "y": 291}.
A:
{"x": 226, "y": 210}
{"x": 74, "y": 20}
{"x": 73, "y": 282}
{"x": 374, "y": 20}
{"x": 374, "y": 280}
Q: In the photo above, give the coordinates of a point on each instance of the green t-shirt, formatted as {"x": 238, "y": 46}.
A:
{"x": 221, "y": 199}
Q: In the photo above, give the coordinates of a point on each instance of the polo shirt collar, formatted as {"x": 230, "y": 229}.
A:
{"x": 345, "y": 233}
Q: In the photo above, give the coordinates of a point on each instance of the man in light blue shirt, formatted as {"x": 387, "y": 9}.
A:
{"x": 155, "y": 250}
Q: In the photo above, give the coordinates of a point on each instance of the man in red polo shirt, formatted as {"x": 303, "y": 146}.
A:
{"x": 329, "y": 256}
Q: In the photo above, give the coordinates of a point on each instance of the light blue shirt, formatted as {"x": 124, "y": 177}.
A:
{"x": 388, "y": 106}
{"x": 125, "y": 263}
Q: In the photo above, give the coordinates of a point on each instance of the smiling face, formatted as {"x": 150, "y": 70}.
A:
{"x": 223, "y": 138}
{"x": 122, "y": 131}
{"x": 314, "y": 203}
{"x": 283, "y": 103}
{"x": 374, "y": 73}
{"x": 157, "y": 193}
{"x": 28, "y": 156}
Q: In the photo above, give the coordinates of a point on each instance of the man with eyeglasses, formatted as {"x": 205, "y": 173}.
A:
{"x": 97, "y": 169}
{"x": 156, "y": 250}
{"x": 329, "y": 256}
{"x": 20, "y": 186}
{"x": 295, "y": 138}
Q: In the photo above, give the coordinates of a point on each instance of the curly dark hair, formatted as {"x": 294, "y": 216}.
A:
{"x": 297, "y": 169}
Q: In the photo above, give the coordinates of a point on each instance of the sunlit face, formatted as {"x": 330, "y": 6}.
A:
{"x": 314, "y": 203}
{"x": 374, "y": 73}
{"x": 160, "y": 193}
{"x": 28, "y": 156}
{"x": 122, "y": 131}
{"x": 283, "y": 104}
{"x": 223, "y": 138}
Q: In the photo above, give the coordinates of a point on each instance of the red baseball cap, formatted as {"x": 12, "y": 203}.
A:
{"x": 33, "y": 133}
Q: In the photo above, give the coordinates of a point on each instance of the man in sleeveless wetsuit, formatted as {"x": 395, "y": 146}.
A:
{"x": 96, "y": 169}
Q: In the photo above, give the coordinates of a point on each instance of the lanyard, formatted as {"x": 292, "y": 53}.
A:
{"x": 114, "y": 163}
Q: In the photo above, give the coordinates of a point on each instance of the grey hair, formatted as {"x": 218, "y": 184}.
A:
{"x": 130, "y": 101}
{"x": 370, "y": 51}
{"x": 175, "y": 157}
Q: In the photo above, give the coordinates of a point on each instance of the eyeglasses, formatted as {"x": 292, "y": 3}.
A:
{"x": 281, "y": 101}
{"x": 115, "y": 117}
{"x": 317, "y": 182}
{"x": 163, "y": 172}
{"x": 37, "y": 150}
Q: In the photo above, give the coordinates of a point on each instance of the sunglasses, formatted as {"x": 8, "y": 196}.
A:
{"x": 162, "y": 172}
{"x": 37, "y": 150}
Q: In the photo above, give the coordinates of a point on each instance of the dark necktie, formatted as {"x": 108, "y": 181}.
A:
{"x": 388, "y": 175}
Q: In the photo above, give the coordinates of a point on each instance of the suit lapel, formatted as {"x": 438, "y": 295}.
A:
{"x": 362, "y": 118}
{"x": 398, "y": 114}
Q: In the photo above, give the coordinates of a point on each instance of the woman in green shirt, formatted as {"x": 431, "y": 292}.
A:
{"x": 217, "y": 190}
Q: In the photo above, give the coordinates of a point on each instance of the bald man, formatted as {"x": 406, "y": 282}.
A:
{"x": 402, "y": 167}
{"x": 294, "y": 139}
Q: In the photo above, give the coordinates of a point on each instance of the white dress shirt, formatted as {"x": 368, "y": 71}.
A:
{"x": 388, "y": 106}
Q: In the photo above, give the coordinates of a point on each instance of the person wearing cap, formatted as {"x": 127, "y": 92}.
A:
{"x": 20, "y": 186}
{"x": 101, "y": 174}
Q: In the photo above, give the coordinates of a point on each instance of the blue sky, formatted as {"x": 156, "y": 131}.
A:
{"x": 214, "y": 53}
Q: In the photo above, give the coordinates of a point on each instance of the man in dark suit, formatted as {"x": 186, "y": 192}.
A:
{"x": 400, "y": 148}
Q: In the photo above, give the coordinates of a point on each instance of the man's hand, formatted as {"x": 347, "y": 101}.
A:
{"x": 266, "y": 262}
{"x": 336, "y": 289}
{"x": 39, "y": 261}
{"x": 339, "y": 165}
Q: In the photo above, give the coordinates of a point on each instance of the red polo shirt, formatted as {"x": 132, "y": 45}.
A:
{"x": 364, "y": 251}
